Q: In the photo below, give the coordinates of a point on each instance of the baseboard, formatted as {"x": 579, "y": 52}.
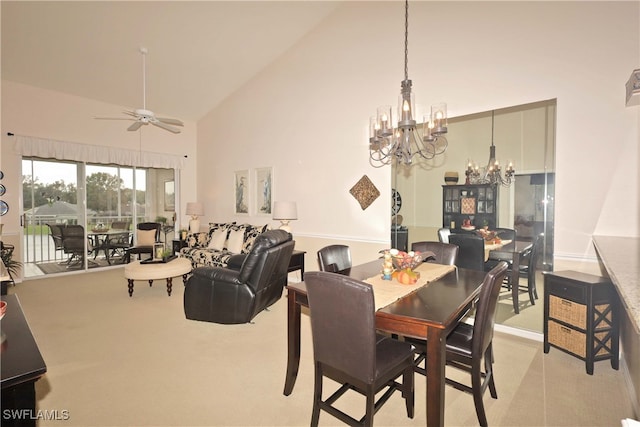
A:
{"x": 531, "y": 335}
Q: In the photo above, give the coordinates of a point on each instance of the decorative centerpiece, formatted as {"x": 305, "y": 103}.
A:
{"x": 100, "y": 228}
{"x": 404, "y": 264}
{"x": 490, "y": 237}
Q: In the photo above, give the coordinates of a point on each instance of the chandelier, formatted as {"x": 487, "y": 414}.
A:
{"x": 403, "y": 142}
{"x": 492, "y": 173}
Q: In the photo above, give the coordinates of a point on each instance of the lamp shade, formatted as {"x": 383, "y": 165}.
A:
{"x": 285, "y": 210}
{"x": 195, "y": 209}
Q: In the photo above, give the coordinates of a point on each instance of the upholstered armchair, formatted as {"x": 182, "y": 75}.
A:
{"x": 231, "y": 295}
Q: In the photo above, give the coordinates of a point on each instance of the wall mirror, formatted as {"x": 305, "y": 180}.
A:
{"x": 524, "y": 135}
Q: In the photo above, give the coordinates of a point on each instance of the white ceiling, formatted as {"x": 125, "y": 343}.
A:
{"x": 199, "y": 52}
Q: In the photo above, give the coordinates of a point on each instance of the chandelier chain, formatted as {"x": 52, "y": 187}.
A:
{"x": 406, "y": 40}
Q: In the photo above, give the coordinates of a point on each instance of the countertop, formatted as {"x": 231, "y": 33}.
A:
{"x": 621, "y": 258}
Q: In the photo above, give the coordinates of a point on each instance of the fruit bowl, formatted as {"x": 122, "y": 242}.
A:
{"x": 403, "y": 260}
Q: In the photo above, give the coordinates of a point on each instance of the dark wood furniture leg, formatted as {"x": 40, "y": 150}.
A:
{"x": 294, "y": 311}
{"x": 515, "y": 282}
{"x": 435, "y": 365}
{"x": 169, "y": 285}
{"x": 130, "y": 284}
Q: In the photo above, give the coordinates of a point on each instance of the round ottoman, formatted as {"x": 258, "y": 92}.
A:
{"x": 157, "y": 271}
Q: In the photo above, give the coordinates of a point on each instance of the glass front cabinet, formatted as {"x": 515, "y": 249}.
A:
{"x": 469, "y": 207}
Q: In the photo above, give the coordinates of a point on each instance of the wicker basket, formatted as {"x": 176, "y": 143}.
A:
{"x": 567, "y": 338}
{"x": 568, "y": 311}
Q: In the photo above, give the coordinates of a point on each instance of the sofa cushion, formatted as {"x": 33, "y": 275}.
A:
{"x": 250, "y": 236}
{"x": 236, "y": 239}
{"x": 218, "y": 239}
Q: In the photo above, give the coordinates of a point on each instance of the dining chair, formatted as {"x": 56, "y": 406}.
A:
{"x": 443, "y": 234}
{"x": 73, "y": 242}
{"x": 445, "y": 253}
{"x": 528, "y": 269}
{"x": 334, "y": 258}
{"x": 147, "y": 234}
{"x": 469, "y": 347}
{"x": 505, "y": 233}
{"x": 347, "y": 349}
{"x": 55, "y": 230}
{"x": 470, "y": 252}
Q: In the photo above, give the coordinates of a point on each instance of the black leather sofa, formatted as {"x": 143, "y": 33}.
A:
{"x": 237, "y": 293}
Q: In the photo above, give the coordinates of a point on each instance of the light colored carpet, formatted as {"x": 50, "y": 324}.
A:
{"x": 119, "y": 361}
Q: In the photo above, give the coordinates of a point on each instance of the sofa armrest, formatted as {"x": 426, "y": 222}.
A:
{"x": 217, "y": 274}
{"x": 235, "y": 261}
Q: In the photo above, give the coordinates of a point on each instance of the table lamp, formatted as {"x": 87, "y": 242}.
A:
{"x": 285, "y": 212}
{"x": 194, "y": 209}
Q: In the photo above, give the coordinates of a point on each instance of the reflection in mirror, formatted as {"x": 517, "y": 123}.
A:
{"x": 523, "y": 135}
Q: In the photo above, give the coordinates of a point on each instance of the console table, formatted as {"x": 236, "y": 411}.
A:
{"x": 22, "y": 365}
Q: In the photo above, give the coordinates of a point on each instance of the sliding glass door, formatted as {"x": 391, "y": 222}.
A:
{"x": 95, "y": 197}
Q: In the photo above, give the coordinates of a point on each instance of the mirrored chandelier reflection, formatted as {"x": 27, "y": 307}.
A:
{"x": 402, "y": 142}
{"x": 492, "y": 172}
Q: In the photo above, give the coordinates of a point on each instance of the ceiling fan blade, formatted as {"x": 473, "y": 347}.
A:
{"x": 113, "y": 118}
{"x": 165, "y": 127}
{"x": 169, "y": 121}
{"x": 135, "y": 126}
{"x": 130, "y": 113}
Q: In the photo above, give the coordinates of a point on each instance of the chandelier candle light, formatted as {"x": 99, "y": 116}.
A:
{"x": 196, "y": 210}
{"x": 492, "y": 173}
{"x": 403, "y": 142}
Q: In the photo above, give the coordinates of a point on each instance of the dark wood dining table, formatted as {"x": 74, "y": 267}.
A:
{"x": 431, "y": 312}
{"x": 513, "y": 253}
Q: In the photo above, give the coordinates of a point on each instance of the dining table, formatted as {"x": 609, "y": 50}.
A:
{"x": 430, "y": 311}
{"x": 102, "y": 240}
{"x": 513, "y": 253}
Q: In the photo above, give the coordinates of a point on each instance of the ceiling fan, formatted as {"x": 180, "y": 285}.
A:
{"x": 142, "y": 116}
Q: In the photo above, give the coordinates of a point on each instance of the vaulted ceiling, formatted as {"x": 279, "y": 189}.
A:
{"x": 199, "y": 52}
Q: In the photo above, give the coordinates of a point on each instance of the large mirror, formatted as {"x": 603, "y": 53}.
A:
{"x": 523, "y": 135}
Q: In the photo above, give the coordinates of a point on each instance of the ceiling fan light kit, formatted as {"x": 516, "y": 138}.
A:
{"x": 142, "y": 116}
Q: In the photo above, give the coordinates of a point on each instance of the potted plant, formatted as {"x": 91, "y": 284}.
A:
{"x": 13, "y": 266}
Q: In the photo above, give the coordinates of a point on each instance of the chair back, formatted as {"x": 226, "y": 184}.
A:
{"x": 443, "y": 235}
{"x": 73, "y": 239}
{"x": 486, "y": 310}
{"x": 120, "y": 225}
{"x": 342, "y": 315}
{"x": 334, "y": 258}
{"x": 470, "y": 252}
{"x": 56, "y": 235}
{"x": 445, "y": 253}
{"x": 505, "y": 233}
{"x": 265, "y": 268}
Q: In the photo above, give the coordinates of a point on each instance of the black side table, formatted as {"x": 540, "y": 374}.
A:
{"x": 177, "y": 245}
{"x": 297, "y": 263}
{"x": 581, "y": 317}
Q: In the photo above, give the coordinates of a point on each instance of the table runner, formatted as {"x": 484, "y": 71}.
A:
{"x": 489, "y": 247}
{"x": 387, "y": 291}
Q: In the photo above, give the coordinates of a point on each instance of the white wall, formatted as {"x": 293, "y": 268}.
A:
{"x": 32, "y": 111}
{"x": 307, "y": 114}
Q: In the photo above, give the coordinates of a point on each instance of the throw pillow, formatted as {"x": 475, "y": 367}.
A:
{"x": 236, "y": 238}
{"x": 218, "y": 238}
{"x": 146, "y": 237}
{"x": 250, "y": 237}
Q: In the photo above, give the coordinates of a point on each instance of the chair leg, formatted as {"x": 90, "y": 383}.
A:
{"x": 317, "y": 396}
{"x": 488, "y": 360}
{"x": 476, "y": 389}
{"x": 408, "y": 390}
{"x": 371, "y": 405}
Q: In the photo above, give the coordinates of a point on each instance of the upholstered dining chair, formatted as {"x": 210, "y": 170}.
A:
{"x": 469, "y": 347}
{"x": 443, "y": 234}
{"x": 505, "y": 233}
{"x": 527, "y": 269}
{"x": 445, "y": 253}
{"x": 334, "y": 258}
{"x": 347, "y": 349}
{"x": 470, "y": 252}
{"x": 147, "y": 235}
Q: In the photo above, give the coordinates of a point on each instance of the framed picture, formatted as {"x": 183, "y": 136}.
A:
{"x": 169, "y": 196}
{"x": 263, "y": 190}
{"x": 242, "y": 192}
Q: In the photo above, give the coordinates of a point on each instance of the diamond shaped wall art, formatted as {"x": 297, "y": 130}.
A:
{"x": 364, "y": 192}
